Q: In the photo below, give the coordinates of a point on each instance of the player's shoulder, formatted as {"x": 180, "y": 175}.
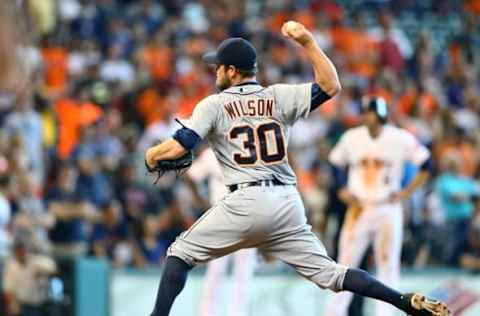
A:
{"x": 209, "y": 99}
{"x": 209, "y": 103}
{"x": 355, "y": 132}
{"x": 402, "y": 136}
{"x": 286, "y": 87}
{"x": 398, "y": 132}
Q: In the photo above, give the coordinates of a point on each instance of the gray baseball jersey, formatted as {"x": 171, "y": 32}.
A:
{"x": 248, "y": 126}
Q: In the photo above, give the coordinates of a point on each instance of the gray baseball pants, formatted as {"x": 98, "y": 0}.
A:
{"x": 269, "y": 218}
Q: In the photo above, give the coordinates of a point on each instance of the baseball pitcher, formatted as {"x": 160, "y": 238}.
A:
{"x": 375, "y": 154}
{"x": 247, "y": 126}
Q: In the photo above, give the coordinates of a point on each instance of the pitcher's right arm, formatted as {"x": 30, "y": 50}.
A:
{"x": 325, "y": 72}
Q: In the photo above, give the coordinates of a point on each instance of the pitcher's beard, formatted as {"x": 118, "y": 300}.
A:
{"x": 224, "y": 84}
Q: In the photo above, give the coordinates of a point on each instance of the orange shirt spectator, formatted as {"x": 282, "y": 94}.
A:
{"x": 158, "y": 60}
{"x": 151, "y": 106}
{"x": 473, "y": 6}
{"x": 358, "y": 48}
{"x": 187, "y": 104}
{"x": 306, "y": 18}
{"x": 68, "y": 125}
{"x": 276, "y": 20}
{"x": 406, "y": 102}
{"x": 306, "y": 180}
{"x": 71, "y": 118}
{"x": 411, "y": 98}
{"x": 194, "y": 87}
{"x": 428, "y": 102}
{"x": 467, "y": 153}
{"x": 342, "y": 39}
{"x": 55, "y": 60}
{"x": 363, "y": 57}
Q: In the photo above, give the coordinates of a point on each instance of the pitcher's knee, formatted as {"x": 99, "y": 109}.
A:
{"x": 177, "y": 249}
{"x": 330, "y": 277}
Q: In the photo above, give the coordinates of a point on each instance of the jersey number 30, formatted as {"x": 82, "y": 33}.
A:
{"x": 255, "y": 142}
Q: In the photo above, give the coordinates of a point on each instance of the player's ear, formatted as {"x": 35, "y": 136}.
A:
{"x": 232, "y": 70}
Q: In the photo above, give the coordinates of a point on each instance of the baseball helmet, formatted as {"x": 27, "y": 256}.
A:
{"x": 378, "y": 105}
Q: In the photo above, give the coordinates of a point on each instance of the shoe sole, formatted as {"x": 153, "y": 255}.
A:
{"x": 436, "y": 308}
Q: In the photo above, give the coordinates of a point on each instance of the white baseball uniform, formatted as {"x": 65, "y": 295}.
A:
{"x": 375, "y": 172}
{"x": 206, "y": 167}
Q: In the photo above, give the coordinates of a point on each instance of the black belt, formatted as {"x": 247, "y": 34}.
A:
{"x": 265, "y": 183}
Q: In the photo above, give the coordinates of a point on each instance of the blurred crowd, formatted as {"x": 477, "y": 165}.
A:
{"x": 108, "y": 77}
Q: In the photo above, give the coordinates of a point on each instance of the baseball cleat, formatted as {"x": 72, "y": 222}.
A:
{"x": 424, "y": 306}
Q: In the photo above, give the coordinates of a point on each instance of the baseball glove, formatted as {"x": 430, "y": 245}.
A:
{"x": 179, "y": 166}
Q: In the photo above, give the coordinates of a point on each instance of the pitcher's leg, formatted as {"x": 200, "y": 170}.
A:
{"x": 217, "y": 233}
{"x": 387, "y": 249}
{"x": 172, "y": 283}
{"x": 244, "y": 265}
{"x": 212, "y": 285}
{"x": 303, "y": 251}
{"x": 294, "y": 243}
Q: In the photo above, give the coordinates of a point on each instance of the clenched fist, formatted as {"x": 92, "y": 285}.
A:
{"x": 297, "y": 32}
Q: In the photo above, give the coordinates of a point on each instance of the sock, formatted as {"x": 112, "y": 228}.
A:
{"x": 360, "y": 282}
{"x": 172, "y": 283}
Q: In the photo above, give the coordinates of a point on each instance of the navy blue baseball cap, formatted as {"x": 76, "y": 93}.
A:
{"x": 234, "y": 51}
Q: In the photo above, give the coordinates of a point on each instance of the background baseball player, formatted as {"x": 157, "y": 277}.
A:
{"x": 375, "y": 154}
{"x": 247, "y": 126}
{"x": 207, "y": 168}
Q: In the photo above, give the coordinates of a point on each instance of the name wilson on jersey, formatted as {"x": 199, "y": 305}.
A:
{"x": 252, "y": 107}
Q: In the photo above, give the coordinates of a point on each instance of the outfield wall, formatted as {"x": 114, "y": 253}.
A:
{"x": 133, "y": 293}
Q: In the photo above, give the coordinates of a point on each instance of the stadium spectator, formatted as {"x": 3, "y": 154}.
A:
{"x": 150, "y": 248}
{"x": 26, "y": 123}
{"x": 55, "y": 63}
{"x": 25, "y": 279}
{"x": 110, "y": 236}
{"x": 5, "y": 238}
{"x": 32, "y": 221}
{"x": 5, "y": 215}
{"x": 71, "y": 213}
{"x": 456, "y": 193}
{"x": 392, "y": 36}
{"x": 110, "y": 149}
{"x": 471, "y": 254}
{"x": 136, "y": 198}
{"x": 92, "y": 184}
{"x": 115, "y": 69}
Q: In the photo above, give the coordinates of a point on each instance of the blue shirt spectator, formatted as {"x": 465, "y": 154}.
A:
{"x": 71, "y": 213}
{"x": 456, "y": 192}
{"x": 109, "y": 232}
